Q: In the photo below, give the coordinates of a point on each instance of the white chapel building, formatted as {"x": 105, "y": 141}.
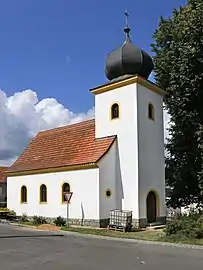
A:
{"x": 115, "y": 161}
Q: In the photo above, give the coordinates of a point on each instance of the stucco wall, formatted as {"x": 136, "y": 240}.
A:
{"x": 108, "y": 180}
{"x": 140, "y": 156}
{"x": 126, "y": 130}
{"x": 83, "y": 183}
{"x": 151, "y": 149}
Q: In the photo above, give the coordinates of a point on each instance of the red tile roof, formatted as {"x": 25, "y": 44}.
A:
{"x": 3, "y": 174}
{"x": 64, "y": 146}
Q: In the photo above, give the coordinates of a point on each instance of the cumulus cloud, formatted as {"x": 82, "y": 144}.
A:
{"x": 23, "y": 115}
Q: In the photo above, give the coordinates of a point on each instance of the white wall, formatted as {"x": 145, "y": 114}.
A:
{"x": 108, "y": 180}
{"x": 140, "y": 157}
{"x": 151, "y": 149}
{"x": 84, "y": 185}
{"x": 126, "y": 130}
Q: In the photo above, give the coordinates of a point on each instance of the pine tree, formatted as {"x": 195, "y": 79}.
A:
{"x": 178, "y": 48}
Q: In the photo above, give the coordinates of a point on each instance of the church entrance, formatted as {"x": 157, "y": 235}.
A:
{"x": 151, "y": 207}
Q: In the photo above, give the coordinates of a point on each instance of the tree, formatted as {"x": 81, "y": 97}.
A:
{"x": 178, "y": 48}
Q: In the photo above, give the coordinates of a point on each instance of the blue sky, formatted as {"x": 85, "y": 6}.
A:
{"x": 58, "y": 47}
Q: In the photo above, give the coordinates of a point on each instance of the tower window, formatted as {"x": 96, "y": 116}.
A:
{"x": 114, "y": 111}
{"x": 151, "y": 111}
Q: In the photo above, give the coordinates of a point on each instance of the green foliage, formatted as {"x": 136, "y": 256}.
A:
{"x": 59, "y": 221}
{"x": 4, "y": 209}
{"x": 23, "y": 218}
{"x": 178, "y": 60}
{"x": 12, "y": 212}
{"x": 183, "y": 227}
{"x": 38, "y": 220}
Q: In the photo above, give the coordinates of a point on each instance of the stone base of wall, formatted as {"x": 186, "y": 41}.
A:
{"x": 103, "y": 223}
{"x": 139, "y": 223}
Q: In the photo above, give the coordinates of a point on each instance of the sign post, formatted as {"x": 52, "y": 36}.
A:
{"x": 68, "y": 196}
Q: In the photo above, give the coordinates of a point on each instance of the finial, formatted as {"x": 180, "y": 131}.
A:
{"x": 126, "y": 29}
{"x": 126, "y": 18}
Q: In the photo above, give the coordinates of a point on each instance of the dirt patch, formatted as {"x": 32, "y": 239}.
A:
{"x": 48, "y": 227}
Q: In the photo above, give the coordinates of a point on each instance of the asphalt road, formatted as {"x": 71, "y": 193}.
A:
{"x": 22, "y": 248}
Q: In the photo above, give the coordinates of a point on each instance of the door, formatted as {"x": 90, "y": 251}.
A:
{"x": 151, "y": 207}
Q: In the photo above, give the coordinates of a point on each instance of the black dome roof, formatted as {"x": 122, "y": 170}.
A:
{"x": 128, "y": 60}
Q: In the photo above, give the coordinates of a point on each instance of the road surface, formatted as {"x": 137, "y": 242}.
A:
{"x": 22, "y": 248}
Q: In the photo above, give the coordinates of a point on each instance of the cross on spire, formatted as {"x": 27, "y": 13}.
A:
{"x": 127, "y": 29}
{"x": 126, "y": 18}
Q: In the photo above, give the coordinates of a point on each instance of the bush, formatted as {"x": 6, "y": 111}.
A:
{"x": 186, "y": 226}
{"x": 59, "y": 221}
{"x": 23, "y": 218}
{"x": 4, "y": 209}
{"x": 38, "y": 220}
{"x": 12, "y": 212}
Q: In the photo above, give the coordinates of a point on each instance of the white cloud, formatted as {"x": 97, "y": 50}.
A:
{"x": 22, "y": 116}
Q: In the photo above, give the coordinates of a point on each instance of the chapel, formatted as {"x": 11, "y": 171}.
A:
{"x": 114, "y": 161}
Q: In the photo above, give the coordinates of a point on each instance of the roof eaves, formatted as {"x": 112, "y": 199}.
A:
{"x": 84, "y": 166}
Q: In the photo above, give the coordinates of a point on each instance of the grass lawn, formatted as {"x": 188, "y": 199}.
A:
{"x": 141, "y": 235}
{"x": 155, "y": 235}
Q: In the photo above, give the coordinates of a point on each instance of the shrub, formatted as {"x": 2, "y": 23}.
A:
{"x": 12, "y": 212}
{"x": 59, "y": 221}
{"x": 4, "y": 209}
{"x": 23, "y": 218}
{"x": 186, "y": 226}
{"x": 38, "y": 220}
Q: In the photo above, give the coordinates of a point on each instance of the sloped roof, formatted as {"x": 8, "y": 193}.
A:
{"x": 64, "y": 146}
{"x": 3, "y": 170}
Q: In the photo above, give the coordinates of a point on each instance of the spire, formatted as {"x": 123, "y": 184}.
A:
{"x": 128, "y": 59}
{"x": 127, "y": 29}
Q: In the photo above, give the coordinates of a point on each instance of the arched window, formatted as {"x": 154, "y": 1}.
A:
{"x": 65, "y": 188}
{"x": 151, "y": 111}
{"x": 23, "y": 194}
{"x": 114, "y": 111}
{"x": 43, "y": 194}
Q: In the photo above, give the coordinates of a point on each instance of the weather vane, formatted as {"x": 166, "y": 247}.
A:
{"x": 126, "y": 17}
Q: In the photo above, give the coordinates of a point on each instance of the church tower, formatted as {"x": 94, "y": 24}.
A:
{"x": 131, "y": 107}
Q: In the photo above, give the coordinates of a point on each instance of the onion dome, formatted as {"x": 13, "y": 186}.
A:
{"x": 128, "y": 60}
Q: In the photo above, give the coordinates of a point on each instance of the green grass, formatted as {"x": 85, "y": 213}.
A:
{"x": 141, "y": 235}
{"x": 156, "y": 235}
{"x": 26, "y": 223}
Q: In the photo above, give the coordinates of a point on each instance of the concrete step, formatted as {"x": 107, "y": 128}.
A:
{"x": 155, "y": 225}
